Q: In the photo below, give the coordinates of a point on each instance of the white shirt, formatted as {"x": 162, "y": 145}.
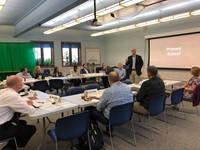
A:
{"x": 20, "y": 74}
{"x": 134, "y": 59}
{"x": 10, "y": 102}
{"x": 86, "y": 71}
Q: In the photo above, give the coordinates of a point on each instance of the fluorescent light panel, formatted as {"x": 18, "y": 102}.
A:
{"x": 147, "y": 23}
{"x": 2, "y": 2}
{"x": 85, "y": 18}
{"x": 196, "y": 12}
{"x": 109, "y": 9}
{"x": 183, "y": 15}
{"x": 130, "y": 2}
{"x": 101, "y": 12}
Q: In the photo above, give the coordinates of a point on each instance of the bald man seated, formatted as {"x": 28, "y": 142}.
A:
{"x": 11, "y": 102}
{"x": 117, "y": 94}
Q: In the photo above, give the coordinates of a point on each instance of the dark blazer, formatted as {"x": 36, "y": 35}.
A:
{"x": 82, "y": 71}
{"x": 138, "y": 64}
{"x": 150, "y": 88}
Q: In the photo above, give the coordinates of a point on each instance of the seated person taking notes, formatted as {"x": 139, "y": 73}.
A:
{"x": 11, "y": 102}
{"x": 154, "y": 86}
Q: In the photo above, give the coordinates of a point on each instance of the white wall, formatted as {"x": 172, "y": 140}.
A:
{"x": 118, "y": 45}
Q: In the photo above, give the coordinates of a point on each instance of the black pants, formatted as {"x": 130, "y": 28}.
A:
{"x": 96, "y": 115}
{"x": 105, "y": 82}
{"x": 75, "y": 82}
{"x": 19, "y": 130}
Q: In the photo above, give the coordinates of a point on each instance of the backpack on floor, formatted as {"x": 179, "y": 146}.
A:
{"x": 96, "y": 138}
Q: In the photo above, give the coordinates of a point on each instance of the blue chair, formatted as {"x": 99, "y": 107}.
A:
{"x": 56, "y": 84}
{"x": 8, "y": 139}
{"x": 92, "y": 86}
{"x": 120, "y": 115}
{"x": 156, "y": 107}
{"x": 47, "y": 72}
{"x": 70, "y": 128}
{"x": 41, "y": 86}
{"x": 175, "y": 99}
{"x": 75, "y": 90}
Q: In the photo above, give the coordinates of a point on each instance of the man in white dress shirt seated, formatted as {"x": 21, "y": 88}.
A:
{"x": 10, "y": 125}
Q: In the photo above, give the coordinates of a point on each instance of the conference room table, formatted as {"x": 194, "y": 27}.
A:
{"x": 68, "y": 77}
{"x": 48, "y": 108}
{"x": 68, "y": 103}
{"x": 168, "y": 84}
{"x": 77, "y": 98}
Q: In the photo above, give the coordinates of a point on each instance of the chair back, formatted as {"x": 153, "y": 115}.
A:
{"x": 157, "y": 105}
{"x": 177, "y": 96}
{"x": 41, "y": 85}
{"x": 47, "y": 72}
{"x": 75, "y": 90}
{"x": 196, "y": 96}
{"x": 121, "y": 114}
{"x": 56, "y": 83}
{"x": 92, "y": 86}
{"x": 71, "y": 127}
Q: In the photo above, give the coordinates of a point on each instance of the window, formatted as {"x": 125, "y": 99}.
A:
{"x": 71, "y": 53}
{"x": 44, "y": 53}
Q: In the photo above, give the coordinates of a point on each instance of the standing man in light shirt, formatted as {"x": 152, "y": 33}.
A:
{"x": 121, "y": 71}
{"x": 11, "y": 126}
{"x": 24, "y": 73}
{"x": 135, "y": 63}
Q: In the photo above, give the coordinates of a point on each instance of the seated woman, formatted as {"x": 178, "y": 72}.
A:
{"x": 37, "y": 72}
{"x": 75, "y": 72}
{"x": 190, "y": 86}
{"x": 56, "y": 72}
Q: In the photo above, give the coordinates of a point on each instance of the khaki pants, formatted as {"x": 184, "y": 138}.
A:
{"x": 134, "y": 77}
{"x": 139, "y": 108}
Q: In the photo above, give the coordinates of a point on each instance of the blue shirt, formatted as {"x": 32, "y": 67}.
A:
{"x": 119, "y": 93}
{"x": 122, "y": 73}
{"x": 20, "y": 74}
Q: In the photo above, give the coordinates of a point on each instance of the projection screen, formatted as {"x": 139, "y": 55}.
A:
{"x": 175, "y": 52}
